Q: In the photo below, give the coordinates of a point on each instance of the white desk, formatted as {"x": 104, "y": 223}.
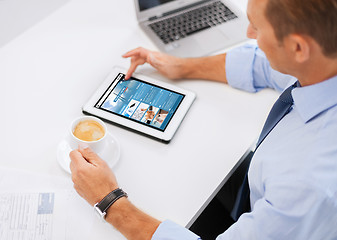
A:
{"x": 49, "y": 72}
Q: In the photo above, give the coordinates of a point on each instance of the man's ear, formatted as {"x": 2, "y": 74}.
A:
{"x": 300, "y": 47}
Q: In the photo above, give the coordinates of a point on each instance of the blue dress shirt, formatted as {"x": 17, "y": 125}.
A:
{"x": 293, "y": 174}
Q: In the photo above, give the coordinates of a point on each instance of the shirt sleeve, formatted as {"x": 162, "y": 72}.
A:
{"x": 169, "y": 230}
{"x": 247, "y": 68}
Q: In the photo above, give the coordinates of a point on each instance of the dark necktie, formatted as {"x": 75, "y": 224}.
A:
{"x": 281, "y": 108}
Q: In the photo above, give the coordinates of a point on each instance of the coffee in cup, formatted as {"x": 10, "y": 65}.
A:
{"x": 88, "y": 130}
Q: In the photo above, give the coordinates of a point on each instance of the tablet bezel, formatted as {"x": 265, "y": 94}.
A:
{"x": 171, "y": 128}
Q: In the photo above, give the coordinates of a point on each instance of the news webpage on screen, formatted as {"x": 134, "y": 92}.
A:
{"x": 140, "y": 101}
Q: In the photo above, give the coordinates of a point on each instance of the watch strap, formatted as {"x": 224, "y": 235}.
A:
{"x": 109, "y": 199}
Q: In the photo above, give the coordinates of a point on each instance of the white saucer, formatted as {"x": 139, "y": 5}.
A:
{"x": 110, "y": 154}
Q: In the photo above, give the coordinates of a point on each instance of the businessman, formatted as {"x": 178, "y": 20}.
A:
{"x": 292, "y": 178}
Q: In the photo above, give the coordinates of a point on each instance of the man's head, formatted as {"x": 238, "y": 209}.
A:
{"x": 314, "y": 18}
{"x": 296, "y": 35}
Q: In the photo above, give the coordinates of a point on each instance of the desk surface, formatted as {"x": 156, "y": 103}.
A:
{"x": 50, "y": 71}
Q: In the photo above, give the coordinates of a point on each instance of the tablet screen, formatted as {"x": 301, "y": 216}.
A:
{"x": 140, "y": 101}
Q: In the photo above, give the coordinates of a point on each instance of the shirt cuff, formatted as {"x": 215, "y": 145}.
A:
{"x": 169, "y": 230}
{"x": 239, "y": 67}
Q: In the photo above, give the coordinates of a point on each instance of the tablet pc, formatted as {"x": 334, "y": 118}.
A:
{"x": 140, "y": 103}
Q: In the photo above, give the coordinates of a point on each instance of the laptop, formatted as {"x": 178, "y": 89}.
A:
{"x": 191, "y": 28}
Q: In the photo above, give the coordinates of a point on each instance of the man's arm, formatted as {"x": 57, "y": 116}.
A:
{"x": 93, "y": 180}
{"x": 245, "y": 68}
{"x": 130, "y": 221}
{"x": 209, "y": 68}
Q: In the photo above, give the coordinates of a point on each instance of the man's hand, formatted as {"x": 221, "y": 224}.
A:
{"x": 209, "y": 68}
{"x": 92, "y": 177}
{"x": 169, "y": 66}
{"x": 93, "y": 180}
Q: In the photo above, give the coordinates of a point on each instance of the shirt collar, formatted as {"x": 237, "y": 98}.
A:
{"x": 315, "y": 99}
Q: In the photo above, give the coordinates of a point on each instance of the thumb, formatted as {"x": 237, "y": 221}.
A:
{"x": 76, "y": 160}
{"x": 89, "y": 154}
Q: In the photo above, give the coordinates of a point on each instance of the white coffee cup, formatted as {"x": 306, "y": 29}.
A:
{"x": 96, "y": 145}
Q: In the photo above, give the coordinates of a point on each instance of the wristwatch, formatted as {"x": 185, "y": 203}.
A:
{"x": 102, "y": 206}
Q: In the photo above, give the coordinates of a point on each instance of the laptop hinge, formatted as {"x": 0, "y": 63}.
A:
{"x": 178, "y": 10}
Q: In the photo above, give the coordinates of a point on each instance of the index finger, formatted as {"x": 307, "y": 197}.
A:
{"x": 131, "y": 70}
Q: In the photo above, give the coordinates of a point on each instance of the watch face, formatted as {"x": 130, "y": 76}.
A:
{"x": 99, "y": 213}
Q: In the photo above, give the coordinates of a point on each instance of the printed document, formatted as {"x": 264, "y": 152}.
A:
{"x": 26, "y": 216}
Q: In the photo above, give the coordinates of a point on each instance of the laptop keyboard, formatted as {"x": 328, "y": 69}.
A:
{"x": 193, "y": 21}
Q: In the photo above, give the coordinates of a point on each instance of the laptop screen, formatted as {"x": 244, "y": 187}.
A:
{"x": 147, "y": 4}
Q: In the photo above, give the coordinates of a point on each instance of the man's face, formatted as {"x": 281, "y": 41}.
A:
{"x": 261, "y": 30}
